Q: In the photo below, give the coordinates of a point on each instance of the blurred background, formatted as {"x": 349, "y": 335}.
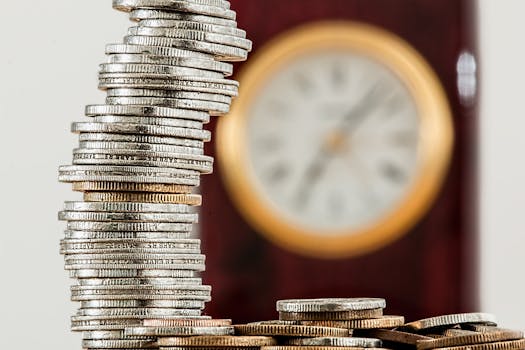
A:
{"x": 444, "y": 233}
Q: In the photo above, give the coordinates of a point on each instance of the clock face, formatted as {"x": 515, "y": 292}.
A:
{"x": 333, "y": 141}
{"x": 339, "y": 141}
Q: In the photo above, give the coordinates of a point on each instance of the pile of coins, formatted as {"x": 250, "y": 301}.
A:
{"x": 129, "y": 243}
{"x": 468, "y": 331}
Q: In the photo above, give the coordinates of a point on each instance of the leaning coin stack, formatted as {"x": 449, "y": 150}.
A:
{"x": 129, "y": 243}
{"x": 468, "y": 331}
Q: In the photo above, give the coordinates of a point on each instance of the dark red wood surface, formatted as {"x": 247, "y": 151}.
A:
{"x": 429, "y": 271}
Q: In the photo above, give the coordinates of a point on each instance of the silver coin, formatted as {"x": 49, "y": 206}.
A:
{"x": 207, "y": 64}
{"x": 172, "y": 71}
{"x": 192, "y": 25}
{"x": 191, "y": 34}
{"x": 119, "y": 334}
{"x": 202, "y": 164}
{"x": 69, "y": 247}
{"x": 176, "y": 5}
{"x": 82, "y": 325}
{"x": 130, "y": 273}
{"x": 125, "y": 258}
{"x": 155, "y": 264}
{"x": 337, "y": 342}
{"x": 177, "y": 123}
{"x": 219, "y": 51}
{"x": 138, "y": 282}
{"x": 167, "y": 304}
{"x": 179, "y": 331}
{"x": 128, "y": 207}
{"x": 141, "y": 217}
{"x": 140, "y": 146}
{"x": 105, "y": 236}
{"x": 133, "y": 312}
{"x": 146, "y": 295}
{"x": 128, "y": 226}
{"x": 164, "y": 82}
{"x": 154, "y": 140}
{"x": 330, "y": 304}
{"x": 184, "y": 95}
{"x": 449, "y": 320}
{"x": 215, "y": 108}
{"x": 119, "y": 344}
{"x": 128, "y": 128}
{"x": 152, "y": 14}
{"x": 146, "y": 111}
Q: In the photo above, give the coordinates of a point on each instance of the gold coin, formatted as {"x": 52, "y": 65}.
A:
{"x": 391, "y": 336}
{"x": 333, "y": 316}
{"x": 368, "y": 323}
{"x": 140, "y": 197}
{"x": 459, "y": 337}
{"x": 217, "y": 341}
{"x": 268, "y": 329}
{"x": 505, "y": 345}
{"x": 130, "y": 187}
{"x": 186, "y": 323}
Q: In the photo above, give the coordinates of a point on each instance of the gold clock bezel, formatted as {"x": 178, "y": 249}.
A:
{"x": 435, "y": 138}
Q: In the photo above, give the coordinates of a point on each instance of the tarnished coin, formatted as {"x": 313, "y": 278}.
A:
{"x": 368, "y": 323}
{"x": 393, "y": 336}
{"x": 450, "y": 320}
{"x": 130, "y": 187}
{"x": 146, "y": 111}
{"x": 119, "y": 344}
{"x": 179, "y": 331}
{"x": 459, "y": 337}
{"x": 297, "y": 347}
{"x": 217, "y": 341}
{"x": 266, "y": 329}
{"x": 504, "y": 345}
{"x": 336, "y": 341}
{"x": 111, "y": 335}
{"x": 330, "y": 304}
{"x": 174, "y": 323}
{"x": 162, "y": 198}
{"x": 336, "y": 315}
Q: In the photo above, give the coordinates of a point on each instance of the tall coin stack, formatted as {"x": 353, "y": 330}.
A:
{"x": 129, "y": 243}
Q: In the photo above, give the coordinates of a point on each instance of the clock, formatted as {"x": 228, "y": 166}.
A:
{"x": 339, "y": 141}
{"x": 273, "y": 223}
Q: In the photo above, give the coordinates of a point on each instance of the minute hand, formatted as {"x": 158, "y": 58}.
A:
{"x": 358, "y": 114}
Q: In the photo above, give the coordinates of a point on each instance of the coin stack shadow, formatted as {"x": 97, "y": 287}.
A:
{"x": 129, "y": 243}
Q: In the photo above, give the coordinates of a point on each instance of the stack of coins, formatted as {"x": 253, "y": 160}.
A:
{"x": 318, "y": 324}
{"x": 129, "y": 243}
{"x": 468, "y": 331}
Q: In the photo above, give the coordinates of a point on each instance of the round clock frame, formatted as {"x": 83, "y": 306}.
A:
{"x": 434, "y": 145}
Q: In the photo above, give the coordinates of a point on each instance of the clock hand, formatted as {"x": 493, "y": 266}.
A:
{"x": 358, "y": 114}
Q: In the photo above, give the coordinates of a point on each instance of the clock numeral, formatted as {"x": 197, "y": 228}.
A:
{"x": 335, "y": 205}
{"x": 278, "y": 173}
{"x": 303, "y": 83}
{"x": 338, "y": 76}
{"x": 393, "y": 172}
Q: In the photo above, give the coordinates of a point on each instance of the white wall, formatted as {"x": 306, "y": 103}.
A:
{"x": 503, "y": 165}
{"x": 49, "y": 54}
